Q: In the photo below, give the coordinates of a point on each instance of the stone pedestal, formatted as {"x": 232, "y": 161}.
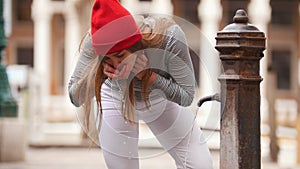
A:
{"x": 13, "y": 142}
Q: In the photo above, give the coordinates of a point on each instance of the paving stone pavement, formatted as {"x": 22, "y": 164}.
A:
{"x": 91, "y": 158}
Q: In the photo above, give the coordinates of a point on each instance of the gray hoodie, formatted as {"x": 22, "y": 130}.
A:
{"x": 172, "y": 63}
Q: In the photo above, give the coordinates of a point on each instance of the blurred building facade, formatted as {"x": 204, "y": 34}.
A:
{"x": 45, "y": 35}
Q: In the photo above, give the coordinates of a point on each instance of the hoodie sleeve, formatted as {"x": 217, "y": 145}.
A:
{"x": 83, "y": 65}
{"x": 180, "y": 88}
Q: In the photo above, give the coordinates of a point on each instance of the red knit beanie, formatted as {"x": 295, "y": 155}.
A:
{"x": 113, "y": 27}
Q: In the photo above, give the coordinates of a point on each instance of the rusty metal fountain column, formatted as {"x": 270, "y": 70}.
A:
{"x": 240, "y": 45}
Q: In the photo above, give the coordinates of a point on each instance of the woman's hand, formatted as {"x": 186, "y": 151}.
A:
{"x": 135, "y": 63}
{"x": 140, "y": 65}
{"x": 108, "y": 70}
{"x": 122, "y": 72}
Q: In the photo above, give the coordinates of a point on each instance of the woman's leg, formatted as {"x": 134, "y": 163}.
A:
{"x": 176, "y": 129}
{"x": 118, "y": 139}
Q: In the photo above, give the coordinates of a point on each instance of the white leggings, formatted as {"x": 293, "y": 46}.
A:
{"x": 173, "y": 125}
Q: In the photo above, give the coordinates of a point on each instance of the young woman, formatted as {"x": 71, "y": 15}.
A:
{"x": 138, "y": 69}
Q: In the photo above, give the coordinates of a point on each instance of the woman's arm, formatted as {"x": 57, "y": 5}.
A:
{"x": 77, "y": 84}
{"x": 181, "y": 87}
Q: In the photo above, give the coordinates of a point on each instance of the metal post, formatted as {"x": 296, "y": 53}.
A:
{"x": 8, "y": 105}
{"x": 240, "y": 45}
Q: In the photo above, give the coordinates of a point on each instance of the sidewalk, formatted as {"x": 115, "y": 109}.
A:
{"x": 85, "y": 158}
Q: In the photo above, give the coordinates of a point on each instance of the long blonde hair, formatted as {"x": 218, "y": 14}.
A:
{"x": 151, "y": 37}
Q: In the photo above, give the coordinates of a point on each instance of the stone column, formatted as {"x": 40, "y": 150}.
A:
{"x": 41, "y": 16}
{"x": 156, "y": 6}
{"x": 72, "y": 42}
{"x": 240, "y": 45}
{"x": 131, "y": 5}
{"x": 210, "y": 14}
{"x": 42, "y": 37}
{"x": 260, "y": 15}
{"x": 162, "y": 7}
{"x": 72, "y": 39}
